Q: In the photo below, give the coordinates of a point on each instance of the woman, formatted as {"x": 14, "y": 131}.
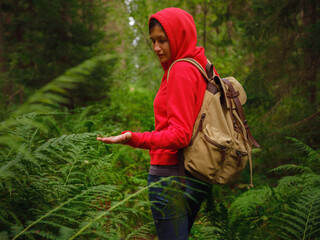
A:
{"x": 176, "y": 106}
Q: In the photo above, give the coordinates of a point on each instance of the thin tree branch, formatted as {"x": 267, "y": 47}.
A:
{"x": 302, "y": 121}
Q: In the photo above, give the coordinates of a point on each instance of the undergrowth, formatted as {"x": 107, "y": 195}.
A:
{"x": 58, "y": 182}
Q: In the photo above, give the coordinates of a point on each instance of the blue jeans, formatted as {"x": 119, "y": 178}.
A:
{"x": 173, "y": 209}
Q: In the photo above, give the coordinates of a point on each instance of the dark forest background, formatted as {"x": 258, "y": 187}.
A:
{"x": 70, "y": 70}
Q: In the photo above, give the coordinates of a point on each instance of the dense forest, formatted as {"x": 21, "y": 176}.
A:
{"x": 70, "y": 70}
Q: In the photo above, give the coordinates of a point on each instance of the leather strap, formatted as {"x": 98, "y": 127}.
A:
{"x": 209, "y": 69}
{"x": 200, "y": 68}
{"x": 239, "y": 160}
{"x": 223, "y": 154}
{"x": 233, "y": 94}
{"x": 239, "y": 109}
{"x": 212, "y": 88}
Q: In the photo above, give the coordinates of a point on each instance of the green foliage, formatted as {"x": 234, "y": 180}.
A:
{"x": 301, "y": 219}
{"x": 287, "y": 211}
{"x": 58, "y": 182}
{"x": 73, "y": 176}
{"x": 282, "y": 82}
{"x": 57, "y": 92}
{"x": 43, "y": 39}
{"x": 62, "y": 182}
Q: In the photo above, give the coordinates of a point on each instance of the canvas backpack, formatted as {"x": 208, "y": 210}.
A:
{"x": 221, "y": 142}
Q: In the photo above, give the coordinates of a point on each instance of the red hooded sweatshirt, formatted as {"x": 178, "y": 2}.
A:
{"x": 179, "y": 99}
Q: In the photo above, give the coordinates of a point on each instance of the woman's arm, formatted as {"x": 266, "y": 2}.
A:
{"x": 182, "y": 94}
{"x": 181, "y": 98}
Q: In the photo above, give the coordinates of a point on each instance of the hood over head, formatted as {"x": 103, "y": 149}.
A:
{"x": 182, "y": 34}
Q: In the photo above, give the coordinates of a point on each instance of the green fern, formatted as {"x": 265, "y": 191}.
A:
{"x": 248, "y": 203}
{"x": 30, "y": 117}
{"x": 293, "y": 204}
{"x": 55, "y": 186}
{"x": 302, "y": 219}
{"x": 142, "y": 232}
{"x": 71, "y": 203}
{"x": 70, "y": 161}
{"x": 220, "y": 227}
{"x": 55, "y": 93}
{"x": 291, "y": 169}
{"x": 83, "y": 217}
{"x": 298, "y": 181}
{"x": 313, "y": 156}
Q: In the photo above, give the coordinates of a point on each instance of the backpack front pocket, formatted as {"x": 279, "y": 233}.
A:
{"x": 233, "y": 167}
{"x": 197, "y": 154}
{"x": 207, "y": 146}
{"x": 222, "y": 149}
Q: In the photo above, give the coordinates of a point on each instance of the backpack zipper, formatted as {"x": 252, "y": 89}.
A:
{"x": 239, "y": 156}
{"x": 203, "y": 116}
{"x": 223, "y": 148}
{"x": 214, "y": 142}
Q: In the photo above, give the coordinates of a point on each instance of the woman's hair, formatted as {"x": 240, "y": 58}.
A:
{"x": 154, "y": 22}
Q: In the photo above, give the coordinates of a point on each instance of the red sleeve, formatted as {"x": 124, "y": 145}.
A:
{"x": 181, "y": 102}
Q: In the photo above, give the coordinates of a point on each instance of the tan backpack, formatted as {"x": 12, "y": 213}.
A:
{"x": 221, "y": 142}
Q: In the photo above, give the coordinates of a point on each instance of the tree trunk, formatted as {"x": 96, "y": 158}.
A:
{"x": 91, "y": 22}
{"x": 229, "y": 21}
{"x": 205, "y": 13}
{"x": 311, "y": 57}
{"x": 2, "y": 60}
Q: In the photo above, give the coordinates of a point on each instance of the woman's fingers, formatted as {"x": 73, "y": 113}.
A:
{"x": 123, "y": 138}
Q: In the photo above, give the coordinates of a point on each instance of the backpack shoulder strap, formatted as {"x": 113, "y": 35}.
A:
{"x": 197, "y": 65}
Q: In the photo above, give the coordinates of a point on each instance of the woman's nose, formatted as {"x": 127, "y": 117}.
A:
{"x": 156, "y": 47}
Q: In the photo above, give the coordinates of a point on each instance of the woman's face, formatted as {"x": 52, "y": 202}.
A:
{"x": 160, "y": 43}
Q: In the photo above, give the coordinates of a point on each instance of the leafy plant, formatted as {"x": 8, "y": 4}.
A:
{"x": 288, "y": 211}
{"x": 301, "y": 219}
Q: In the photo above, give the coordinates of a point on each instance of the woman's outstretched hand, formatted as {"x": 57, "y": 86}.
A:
{"x": 122, "y": 138}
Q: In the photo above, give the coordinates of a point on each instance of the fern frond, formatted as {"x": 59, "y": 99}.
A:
{"x": 297, "y": 222}
{"x": 301, "y": 220}
{"x": 56, "y": 92}
{"x": 51, "y": 224}
{"x": 73, "y": 200}
{"x": 142, "y": 232}
{"x": 301, "y": 145}
{"x": 4, "y": 235}
{"x": 290, "y": 169}
{"x": 65, "y": 233}
{"x": 288, "y": 181}
{"x": 43, "y": 234}
{"x": 63, "y": 217}
{"x": 13, "y": 168}
{"x": 247, "y": 203}
{"x": 11, "y": 141}
{"x": 23, "y": 120}
{"x": 113, "y": 207}
{"x": 99, "y": 234}
{"x": 298, "y": 181}
{"x": 313, "y": 156}
{"x": 214, "y": 232}
{"x": 287, "y": 230}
